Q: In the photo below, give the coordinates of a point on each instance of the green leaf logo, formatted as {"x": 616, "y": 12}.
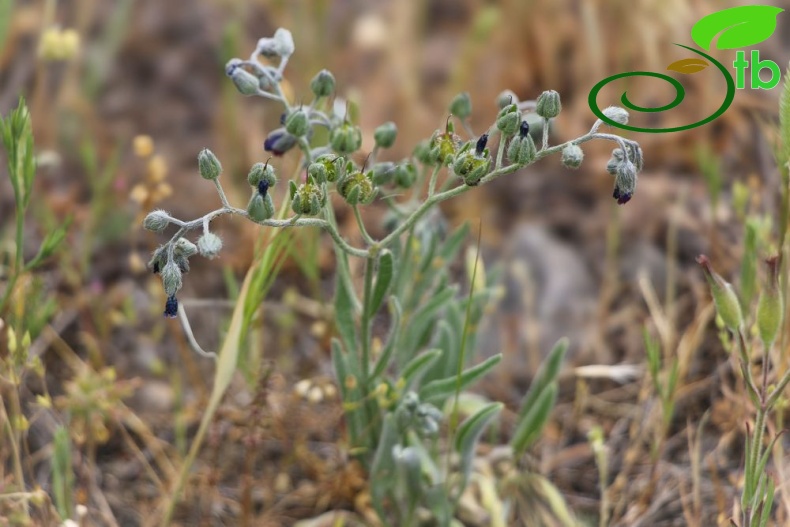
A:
{"x": 741, "y": 27}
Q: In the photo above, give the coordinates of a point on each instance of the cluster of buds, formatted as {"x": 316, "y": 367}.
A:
{"x": 261, "y": 205}
{"x": 624, "y": 165}
{"x": 423, "y": 418}
{"x": 522, "y": 149}
{"x": 471, "y": 165}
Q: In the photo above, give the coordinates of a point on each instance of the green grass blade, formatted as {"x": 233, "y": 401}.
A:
{"x": 226, "y": 366}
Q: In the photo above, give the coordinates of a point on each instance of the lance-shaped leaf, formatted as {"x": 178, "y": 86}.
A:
{"x": 547, "y": 373}
{"x": 469, "y": 435}
{"x": 417, "y": 367}
{"x": 383, "y": 279}
{"x": 531, "y": 424}
{"x": 738, "y": 27}
{"x": 444, "y": 387}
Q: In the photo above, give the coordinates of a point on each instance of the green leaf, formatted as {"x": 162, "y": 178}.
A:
{"x": 741, "y": 26}
{"x": 424, "y": 317}
{"x": 62, "y": 472}
{"x": 531, "y": 424}
{"x": 417, "y": 367}
{"x": 49, "y": 245}
{"x": 444, "y": 387}
{"x": 451, "y": 246}
{"x": 469, "y": 435}
{"x": 386, "y": 354}
{"x": 383, "y": 280}
{"x": 226, "y": 366}
{"x": 765, "y": 509}
{"x": 344, "y": 371}
{"x": 547, "y": 374}
{"x": 382, "y": 470}
{"x": 748, "y": 283}
{"x": 344, "y": 315}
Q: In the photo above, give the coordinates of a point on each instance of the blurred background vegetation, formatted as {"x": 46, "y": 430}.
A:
{"x": 123, "y": 95}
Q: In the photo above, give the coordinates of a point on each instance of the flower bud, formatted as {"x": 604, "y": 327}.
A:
{"x": 209, "y": 245}
{"x": 307, "y": 199}
{"x": 624, "y": 182}
{"x": 383, "y": 173}
{"x": 157, "y": 221}
{"x": 422, "y": 152}
{"x": 770, "y": 307}
{"x": 171, "y": 278}
{"x": 323, "y": 84}
{"x": 616, "y": 114}
{"x": 428, "y": 419}
{"x": 245, "y": 82}
{"x": 549, "y": 105}
{"x": 261, "y": 173}
{"x": 461, "y": 106}
{"x": 281, "y": 45}
{"x": 158, "y": 259}
{"x": 471, "y": 166}
{"x": 635, "y": 154}
{"x": 297, "y": 123}
{"x": 572, "y": 156}
{"x": 385, "y": 134}
{"x": 171, "y": 307}
{"x": 613, "y": 165}
{"x": 508, "y": 120}
{"x": 185, "y": 248}
{"x": 724, "y": 298}
{"x": 357, "y": 188}
{"x": 506, "y": 98}
{"x": 260, "y": 207}
{"x": 285, "y": 41}
{"x": 522, "y": 150}
{"x": 405, "y": 174}
{"x": 209, "y": 165}
{"x": 345, "y": 139}
{"x": 182, "y": 262}
{"x": 279, "y": 142}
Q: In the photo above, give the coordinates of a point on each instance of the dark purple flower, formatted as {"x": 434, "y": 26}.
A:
{"x": 279, "y": 142}
{"x": 263, "y": 187}
{"x": 524, "y": 129}
{"x": 171, "y": 307}
{"x": 621, "y": 197}
{"x": 481, "y": 144}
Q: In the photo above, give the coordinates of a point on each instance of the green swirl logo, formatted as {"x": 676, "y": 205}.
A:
{"x": 735, "y": 28}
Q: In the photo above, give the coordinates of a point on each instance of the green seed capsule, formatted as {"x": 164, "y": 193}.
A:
{"x": 509, "y": 120}
{"x": 260, "y": 208}
{"x": 323, "y": 84}
{"x": 297, "y": 123}
{"x": 549, "y": 105}
{"x": 385, "y": 134}
{"x": 209, "y": 165}
{"x": 346, "y": 139}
